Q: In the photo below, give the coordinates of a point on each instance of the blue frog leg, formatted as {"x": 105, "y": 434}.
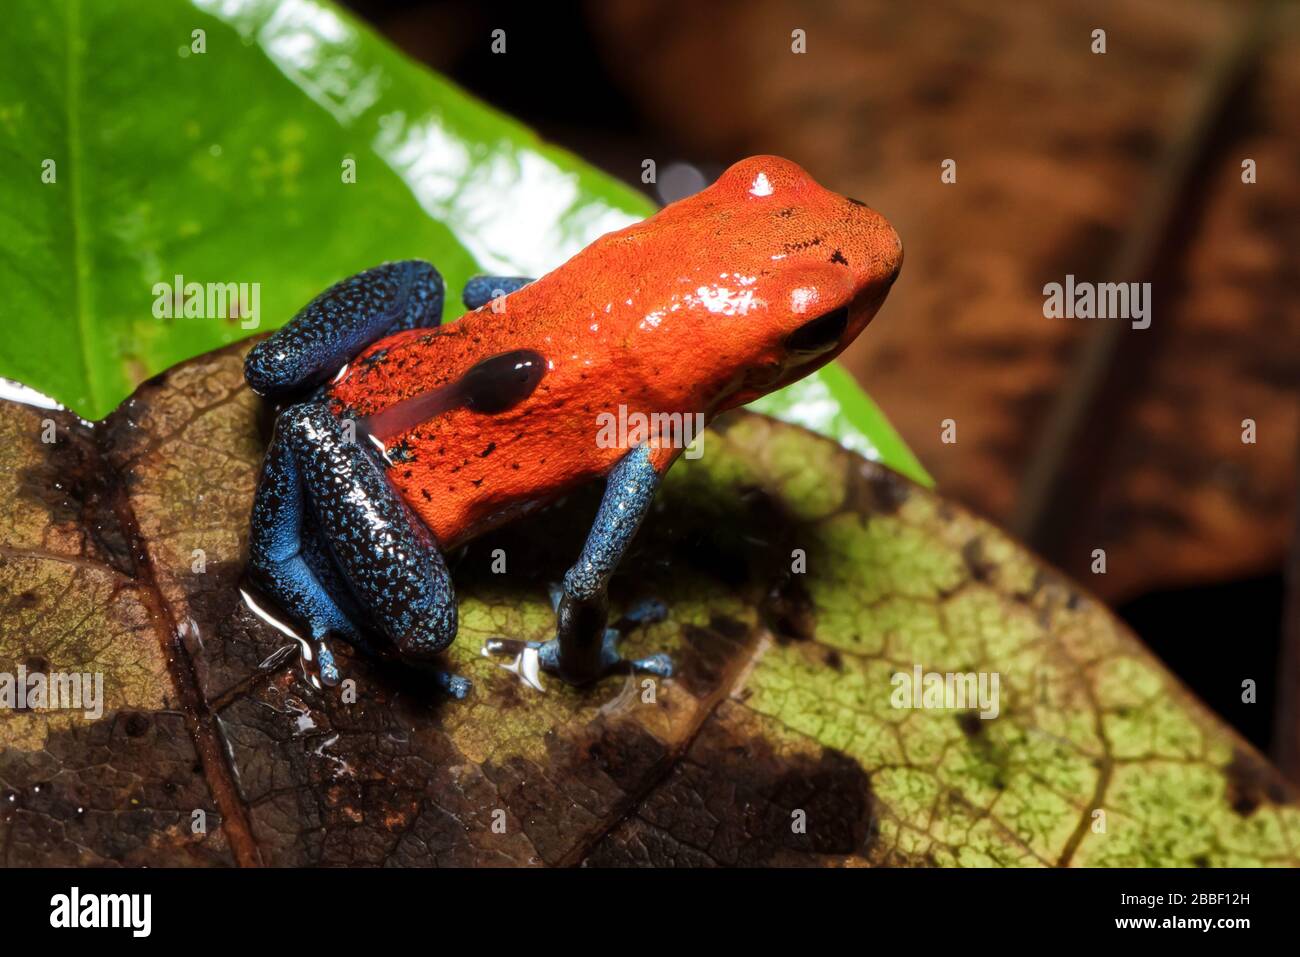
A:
{"x": 280, "y": 563}
{"x": 584, "y": 649}
{"x": 392, "y": 567}
{"x": 341, "y": 322}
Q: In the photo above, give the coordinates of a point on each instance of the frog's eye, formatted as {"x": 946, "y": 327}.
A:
{"x": 819, "y": 334}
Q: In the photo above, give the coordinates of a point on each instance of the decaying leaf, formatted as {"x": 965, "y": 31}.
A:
{"x": 800, "y": 580}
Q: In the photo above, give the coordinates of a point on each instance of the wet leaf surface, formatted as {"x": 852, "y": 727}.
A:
{"x": 123, "y": 553}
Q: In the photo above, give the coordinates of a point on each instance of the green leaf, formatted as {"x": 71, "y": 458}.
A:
{"x": 227, "y": 166}
{"x": 830, "y": 403}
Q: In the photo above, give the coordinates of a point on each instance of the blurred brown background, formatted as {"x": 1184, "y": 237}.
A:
{"x": 1119, "y": 166}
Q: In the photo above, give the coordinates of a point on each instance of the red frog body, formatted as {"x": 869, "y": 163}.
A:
{"x": 402, "y": 437}
{"x": 684, "y": 313}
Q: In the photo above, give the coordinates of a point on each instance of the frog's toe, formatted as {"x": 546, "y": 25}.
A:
{"x": 611, "y": 661}
{"x": 548, "y": 655}
{"x": 648, "y": 611}
{"x": 659, "y": 664}
{"x": 457, "y": 686}
{"x": 328, "y": 669}
{"x": 422, "y": 648}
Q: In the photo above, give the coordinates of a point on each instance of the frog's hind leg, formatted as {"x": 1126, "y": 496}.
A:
{"x": 481, "y": 290}
{"x": 392, "y": 568}
{"x": 279, "y": 560}
{"x": 583, "y": 648}
{"x": 342, "y": 321}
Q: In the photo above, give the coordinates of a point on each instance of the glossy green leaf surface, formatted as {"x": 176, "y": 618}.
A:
{"x": 178, "y": 175}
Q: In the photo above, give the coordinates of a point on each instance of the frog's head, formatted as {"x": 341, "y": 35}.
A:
{"x": 788, "y": 271}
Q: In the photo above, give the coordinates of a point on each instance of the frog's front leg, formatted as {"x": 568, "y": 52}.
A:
{"x": 316, "y": 570}
{"x": 392, "y": 567}
{"x": 583, "y": 648}
{"x": 336, "y": 326}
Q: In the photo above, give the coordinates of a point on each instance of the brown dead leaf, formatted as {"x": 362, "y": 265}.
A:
{"x": 776, "y": 744}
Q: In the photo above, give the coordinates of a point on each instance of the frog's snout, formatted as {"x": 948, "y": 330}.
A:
{"x": 880, "y": 250}
{"x": 898, "y": 260}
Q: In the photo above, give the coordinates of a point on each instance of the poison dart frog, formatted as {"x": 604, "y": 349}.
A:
{"x": 402, "y": 437}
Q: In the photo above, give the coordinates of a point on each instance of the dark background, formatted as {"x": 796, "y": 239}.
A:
{"x": 1073, "y": 435}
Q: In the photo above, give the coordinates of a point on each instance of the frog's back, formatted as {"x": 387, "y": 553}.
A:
{"x": 685, "y": 313}
{"x": 473, "y": 464}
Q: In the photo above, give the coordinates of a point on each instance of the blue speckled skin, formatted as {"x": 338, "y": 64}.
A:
{"x": 339, "y": 323}
{"x": 583, "y": 648}
{"x": 333, "y": 542}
